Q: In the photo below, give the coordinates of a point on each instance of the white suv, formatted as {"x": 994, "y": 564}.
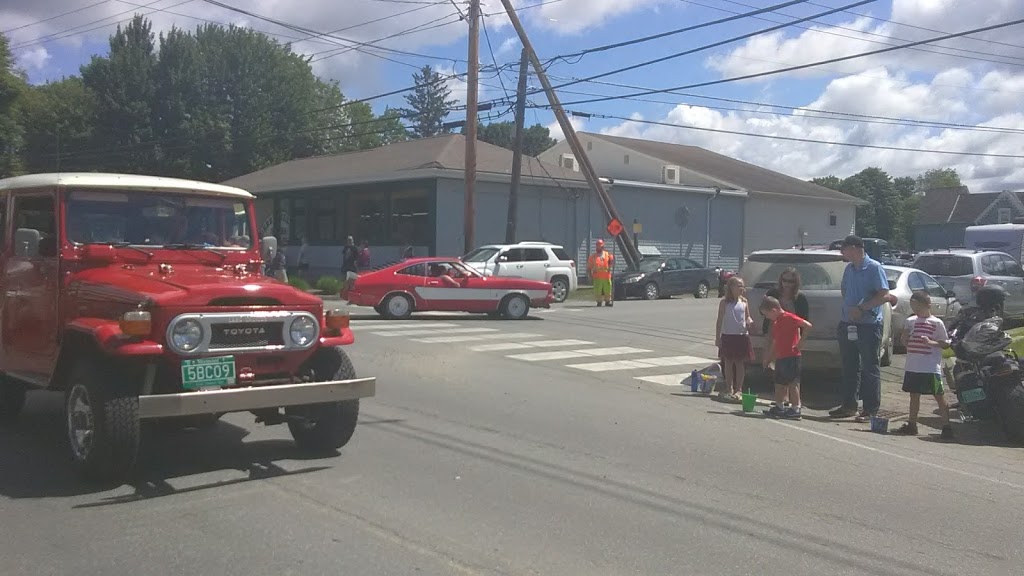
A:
{"x": 532, "y": 260}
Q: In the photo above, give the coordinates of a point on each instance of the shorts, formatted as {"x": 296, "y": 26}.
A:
{"x": 923, "y": 383}
{"x": 736, "y": 347}
{"x": 787, "y": 371}
{"x": 602, "y": 287}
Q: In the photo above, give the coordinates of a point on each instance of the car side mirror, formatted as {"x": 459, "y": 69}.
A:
{"x": 950, "y": 294}
{"x": 269, "y": 246}
{"x": 26, "y": 242}
{"x": 503, "y": 258}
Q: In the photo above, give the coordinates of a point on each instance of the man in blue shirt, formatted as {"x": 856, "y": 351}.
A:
{"x": 865, "y": 290}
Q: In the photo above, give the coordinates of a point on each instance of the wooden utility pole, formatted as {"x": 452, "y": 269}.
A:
{"x": 472, "y": 82}
{"x": 517, "y": 156}
{"x": 629, "y": 251}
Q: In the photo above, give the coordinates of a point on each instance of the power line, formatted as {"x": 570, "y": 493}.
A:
{"x": 490, "y": 48}
{"x": 77, "y": 29}
{"x": 795, "y": 139}
{"x": 82, "y": 9}
{"x": 709, "y": 46}
{"x": 415, "y": 29}
{"x": 933, "y": 30}
{"x": 804, "y": 66}
{"x": 582, "y": 53}
{"x": 867, "y": 33}
{"x": 861, "y": 117}
{"x": 521, "y": 8}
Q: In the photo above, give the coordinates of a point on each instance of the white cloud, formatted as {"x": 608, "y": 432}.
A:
{"x": 576, "y": 16}
{"x": 33, "y": 58}
{"x": 861, "y": 34}
{"x": 857, "y": 95}
{"x": 578, "y": 124}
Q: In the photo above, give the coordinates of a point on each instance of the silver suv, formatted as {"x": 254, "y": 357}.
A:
{"x": 540, "y": 261}
{"x": 964, "y": 271}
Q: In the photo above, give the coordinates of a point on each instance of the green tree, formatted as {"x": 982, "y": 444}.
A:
{"x": 12, "y": 86}
{"x": 536, "y": 138}
{"x": 59, "y": 117}
{"x": 938, "y": 178}
{"x": 123, "y": 83}
{"x": 429, "y": 104}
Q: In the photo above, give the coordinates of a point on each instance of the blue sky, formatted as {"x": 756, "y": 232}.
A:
{"x": 970, "y": 82}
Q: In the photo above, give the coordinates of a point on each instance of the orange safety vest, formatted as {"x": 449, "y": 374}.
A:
{"x": 601, "y": 265}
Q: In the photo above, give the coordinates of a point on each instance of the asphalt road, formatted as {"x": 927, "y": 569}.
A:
{"x": 498, "y": 447}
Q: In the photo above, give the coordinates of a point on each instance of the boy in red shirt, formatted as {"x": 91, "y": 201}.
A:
{"x": 787, "y": 330}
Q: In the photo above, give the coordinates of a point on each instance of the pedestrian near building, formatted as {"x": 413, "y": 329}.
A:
{"x": 732, "y": 337}
{"x": 787, "y": 338}
{"x": 364, "y": 256}
{"x": 350, "y": 262}
{"x": 924, "y": 338}
{"x": 865, "y": 289}
{"x": 599, "y": 268}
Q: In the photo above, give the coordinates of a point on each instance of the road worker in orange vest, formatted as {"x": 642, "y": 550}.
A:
{"x": 599, "y": 267}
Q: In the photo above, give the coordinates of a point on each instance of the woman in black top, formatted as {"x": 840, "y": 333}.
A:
{"x": 789, "y": 295}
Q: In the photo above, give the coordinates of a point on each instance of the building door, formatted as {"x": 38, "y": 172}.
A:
{"x": 30, "y": 305}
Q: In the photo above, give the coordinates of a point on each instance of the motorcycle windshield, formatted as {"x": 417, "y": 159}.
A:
{"x": 986, "y": 337}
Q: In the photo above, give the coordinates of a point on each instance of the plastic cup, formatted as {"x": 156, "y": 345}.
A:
{"x": 749, "y": 401}
{"x": 879, "y": 425}
{"x": 694, "y": 382}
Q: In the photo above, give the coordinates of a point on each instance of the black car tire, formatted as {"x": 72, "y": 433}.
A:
{"x": 326, "y": 427}
{"x": 652, "y": 291}
{"x": 12, "y": 399}
{"x": 560, "y": 287}
{"x": 390, "y": 315}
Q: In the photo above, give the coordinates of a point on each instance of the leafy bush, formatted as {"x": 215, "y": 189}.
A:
{"x": 299, "y": 283}
{"x": 328, "y": 285}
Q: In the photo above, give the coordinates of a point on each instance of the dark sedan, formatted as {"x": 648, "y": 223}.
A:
{"x": 664, "y": 277}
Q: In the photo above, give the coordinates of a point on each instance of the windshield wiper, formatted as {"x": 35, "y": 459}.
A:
{"x": 184, "y": 246}
{"x": 129, "y": 245}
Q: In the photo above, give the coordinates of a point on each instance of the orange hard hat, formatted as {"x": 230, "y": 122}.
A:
{"x": 600, "y": 243}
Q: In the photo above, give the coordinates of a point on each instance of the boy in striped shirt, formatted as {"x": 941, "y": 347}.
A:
{"x": 924, "y": 337}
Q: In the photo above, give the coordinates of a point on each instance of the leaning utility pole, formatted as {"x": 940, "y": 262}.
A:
{"x": 629, "y": 251}
{"x": 472, "y": 80}
{"x": 517, "y": 150}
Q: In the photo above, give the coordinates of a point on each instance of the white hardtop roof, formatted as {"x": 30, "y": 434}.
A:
{"x": 796, "y": 251}
{"x": 1004, "y": 226}
{"x": 123, "y": 182}
{"x": 521, "y": 245}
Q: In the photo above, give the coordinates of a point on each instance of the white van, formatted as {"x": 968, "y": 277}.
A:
{"x": 540, "y": 261}
{"x": 1008, "y": 238}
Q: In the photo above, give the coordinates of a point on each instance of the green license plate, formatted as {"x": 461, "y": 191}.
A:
{"x": 972, "y": 395}
{"x": 208, "y": 372}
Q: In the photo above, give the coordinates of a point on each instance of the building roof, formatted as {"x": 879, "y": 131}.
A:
{"x": 123, "y": 182}
{"x": 437, "y": 157}
{"x": 954, "y": 205}
{"x": 729, "y": 171}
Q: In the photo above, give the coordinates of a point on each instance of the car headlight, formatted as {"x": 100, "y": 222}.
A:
{"x": 633, "y": 279}
{"x": 303, "y": 331}
{"x": 187, "y": 335}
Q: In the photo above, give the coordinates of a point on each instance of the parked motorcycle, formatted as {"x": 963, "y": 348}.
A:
{"x": 987, "y": 376}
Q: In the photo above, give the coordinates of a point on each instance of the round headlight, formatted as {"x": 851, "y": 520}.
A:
{"x": 187, "y": 335}
{"x": 303, "y": 330}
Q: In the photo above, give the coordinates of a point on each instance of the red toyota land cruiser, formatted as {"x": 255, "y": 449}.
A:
{"x": 141, "y": 298}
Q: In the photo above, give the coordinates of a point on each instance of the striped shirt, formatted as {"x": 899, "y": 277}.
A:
{"x": 922, "y": 358}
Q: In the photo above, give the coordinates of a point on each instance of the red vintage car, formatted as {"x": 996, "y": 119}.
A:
{"x": 445, "y": 284}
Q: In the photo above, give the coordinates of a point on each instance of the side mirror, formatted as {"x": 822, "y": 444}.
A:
{"x": 503, "y": 258}
{"x": 269, "y": 246}
{"x": 950, "y": 294}
{"x": 26, "y": 242}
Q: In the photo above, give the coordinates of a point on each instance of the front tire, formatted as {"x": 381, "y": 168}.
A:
{"x": 326, "y": 427}
{"x": 651, "y": 291}
{"x": 102, "y": 419}
{"x": 12, "y": 400}
{"x": 515, "y": 307}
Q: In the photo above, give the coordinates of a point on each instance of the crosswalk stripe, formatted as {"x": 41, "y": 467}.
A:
{"x": 665, "y": 379}
{"x": 565, "y": 354}
{"x": 525, "y": 345}
{"x": 433, "y": 332}
{"x": 452, "y": 339}
{"x": 385, "y": 325}
{"x": 642, "y": 363}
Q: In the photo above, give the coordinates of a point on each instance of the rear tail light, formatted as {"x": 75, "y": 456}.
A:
{"x": 978, "y": 282}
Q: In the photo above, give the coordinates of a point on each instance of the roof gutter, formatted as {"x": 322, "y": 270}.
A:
{"x": 706, "y": 190}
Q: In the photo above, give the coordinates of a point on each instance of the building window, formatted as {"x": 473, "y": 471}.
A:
{"x": 1005, "y": 216}
{"x": 410, "y": 218}
{"x": 326, "y": 222}
{"x": 832, "y": 219}
{"x": 283, "y": 219}
{"x": 299, "y": 220}
{"x": 367, "y": 217}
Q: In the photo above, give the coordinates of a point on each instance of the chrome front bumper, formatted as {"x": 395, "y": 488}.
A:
{"x": 253, "y": 398}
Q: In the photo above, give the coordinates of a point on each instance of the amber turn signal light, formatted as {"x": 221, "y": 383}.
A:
{"x": 337, "y": 320}
{"x": 137, "y": 323}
